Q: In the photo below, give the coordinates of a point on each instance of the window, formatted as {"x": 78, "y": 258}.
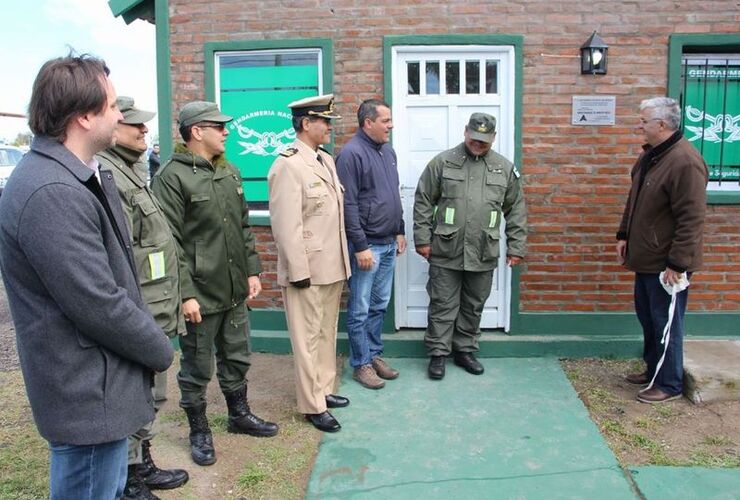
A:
{"x": 710, "y": 101}
{"x": 452, "y": 77}
{"x": 254, "y": 82}
{"x": 703, "y": 76}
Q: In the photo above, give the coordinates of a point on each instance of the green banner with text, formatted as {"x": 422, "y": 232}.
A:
{"x": 711, "y": 116}
{"x": 256, "y": 89}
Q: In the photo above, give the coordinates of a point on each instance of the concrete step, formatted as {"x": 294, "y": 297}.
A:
{"x": 493, "y": 344}
{"x": 712, "y": 370}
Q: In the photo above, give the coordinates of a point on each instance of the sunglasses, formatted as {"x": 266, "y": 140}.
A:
{"x": 218, "y": 126}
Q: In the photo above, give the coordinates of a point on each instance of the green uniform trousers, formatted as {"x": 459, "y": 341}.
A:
{"x": 223, "y": 335}
{"x": 456, "y": 300}
{"x": 148, "y": 431}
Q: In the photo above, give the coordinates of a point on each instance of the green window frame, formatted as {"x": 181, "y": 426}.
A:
{"x": 254, "y": 81}
{"x": 702, "y": 79}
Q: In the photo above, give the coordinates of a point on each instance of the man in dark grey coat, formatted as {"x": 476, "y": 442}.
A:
{"x": 87, "y": 344}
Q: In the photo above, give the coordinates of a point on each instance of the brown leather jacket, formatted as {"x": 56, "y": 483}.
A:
{"x": 663, "y": 220}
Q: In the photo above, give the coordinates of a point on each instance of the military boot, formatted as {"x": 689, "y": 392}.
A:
{"x": 201, "y": 440}
{"x": 135, "y": 488}
{"x": 156, "y": 478}
{"x": 242, "y": 420}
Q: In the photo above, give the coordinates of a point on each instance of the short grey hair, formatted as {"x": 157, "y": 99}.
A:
{"x": 666, "y": 109}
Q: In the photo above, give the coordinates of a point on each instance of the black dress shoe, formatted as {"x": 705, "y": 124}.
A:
{"x": 324, "y": 421}
{"x": 436, "y": 368}
{"x": 467, "y": 361}
{"x": 334, "y": 401}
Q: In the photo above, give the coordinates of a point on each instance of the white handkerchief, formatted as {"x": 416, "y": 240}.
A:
{"x": 683, "y": 284}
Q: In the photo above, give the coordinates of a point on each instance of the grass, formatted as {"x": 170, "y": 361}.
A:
{"x": 717, "y": 441}
{"x": 24, "y": 461}
{"x": 641, "y": 434}
{"x": 273, "y": 474}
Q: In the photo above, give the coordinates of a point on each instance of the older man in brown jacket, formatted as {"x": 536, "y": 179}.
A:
{"x": 661, "y": 233}
{"x": 307, "y": 213}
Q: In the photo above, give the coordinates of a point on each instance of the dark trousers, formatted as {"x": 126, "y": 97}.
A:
{"x": 456, "y": 300}
{"x": 222, "y": 336}
{"x": 651, "y": 305}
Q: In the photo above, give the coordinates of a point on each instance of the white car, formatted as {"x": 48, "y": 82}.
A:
{"x": 9, "y": 158}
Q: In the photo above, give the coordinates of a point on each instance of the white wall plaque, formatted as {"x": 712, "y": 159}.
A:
{"x": 593, "y": 110}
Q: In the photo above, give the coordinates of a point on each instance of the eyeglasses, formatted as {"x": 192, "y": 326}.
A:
{"x": 644, "y": 121}
{"x": 218, "y": 126}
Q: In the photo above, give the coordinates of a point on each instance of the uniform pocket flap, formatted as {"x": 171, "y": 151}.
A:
{"x": 147, "y": 207}
{"x": 496, "y": 179}
{"x": 445, "y": 231}
{"x": 493, "y": 233}
{"x": 199, "y": 197}
{"x": 453, "y": 173}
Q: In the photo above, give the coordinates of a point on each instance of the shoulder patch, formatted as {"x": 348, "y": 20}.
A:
{"x": 289, "y": 152}
{"x": 516, "y": 172}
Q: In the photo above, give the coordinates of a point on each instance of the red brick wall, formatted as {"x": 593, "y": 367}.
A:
{"x": 577, "y": 177}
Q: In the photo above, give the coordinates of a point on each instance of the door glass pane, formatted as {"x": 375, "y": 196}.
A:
{"x": 452, "y": 77}
{"x": 412, "y": 70}
{"x": 432, "y": 74}
{"x": 491, "y": 77}
{"x": 472, "y": 77}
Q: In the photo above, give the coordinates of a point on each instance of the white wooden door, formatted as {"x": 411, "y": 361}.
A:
{"x": 435, "y": 90}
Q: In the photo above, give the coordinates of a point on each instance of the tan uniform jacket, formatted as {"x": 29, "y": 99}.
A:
{"x": 307, "y": 215}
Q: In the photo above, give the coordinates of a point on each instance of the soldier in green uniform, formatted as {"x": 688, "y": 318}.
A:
{"x": 460, "y": 201}
{"x": 202, "y": 197}
{"x": 155, "y": 255}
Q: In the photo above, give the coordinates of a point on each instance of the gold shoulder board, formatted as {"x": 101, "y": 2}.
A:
{"x": 289, "y": 152}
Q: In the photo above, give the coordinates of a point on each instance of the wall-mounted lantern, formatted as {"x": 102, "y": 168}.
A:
{"x": 593, "y": 56}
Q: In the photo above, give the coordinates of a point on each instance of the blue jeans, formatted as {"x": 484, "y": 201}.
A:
{"x": 369, "y": 294}
{"x": 651, "y": 306}
{"x": 88, "y": 472}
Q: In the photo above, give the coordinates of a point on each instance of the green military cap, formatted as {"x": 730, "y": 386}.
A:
{"x": 481, "y": 127}
{"x": 321, "y": 106}
{"x": 201, "y": 111}
{"x": 131, "y": 114}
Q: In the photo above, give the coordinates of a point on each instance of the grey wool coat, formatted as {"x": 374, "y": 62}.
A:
{"x": 87, "y": 344}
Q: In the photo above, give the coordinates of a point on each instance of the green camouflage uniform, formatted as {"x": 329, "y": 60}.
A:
{"x": 209, "y": 217}
{"x": 458, "y": 207}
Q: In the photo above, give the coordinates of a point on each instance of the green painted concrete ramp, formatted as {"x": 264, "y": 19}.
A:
{"x": 670, "y": 483}
{"x": 518, "y": 431}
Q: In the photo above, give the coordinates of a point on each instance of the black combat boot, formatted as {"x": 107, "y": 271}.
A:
{"x": 156, "y": 478}
{"x": 135, "y": 488}
{"x": 201, "y": 440}
{"x": 243, "y": 421}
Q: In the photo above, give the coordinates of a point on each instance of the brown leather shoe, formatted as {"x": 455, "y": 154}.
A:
{"x": 637, "y": 378}
{"x": 367, "y": 377}
{"x": 655, "y": 395}
{"x": 383, "y": 370}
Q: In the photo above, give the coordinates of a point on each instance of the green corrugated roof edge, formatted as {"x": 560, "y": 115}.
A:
{"x": 131, "y": 10}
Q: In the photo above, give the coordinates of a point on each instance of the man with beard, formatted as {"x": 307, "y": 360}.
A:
{"x": 87, "y": 344}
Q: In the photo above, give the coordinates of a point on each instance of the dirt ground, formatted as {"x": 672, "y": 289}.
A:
{"x": 675, "y": 433}
{"x": 246, "y": 467}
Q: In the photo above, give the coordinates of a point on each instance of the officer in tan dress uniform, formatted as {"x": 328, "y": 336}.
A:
{"x": 307, "y": 214}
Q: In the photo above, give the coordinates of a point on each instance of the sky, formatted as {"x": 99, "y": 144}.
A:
{"x": 34, "y": 31}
